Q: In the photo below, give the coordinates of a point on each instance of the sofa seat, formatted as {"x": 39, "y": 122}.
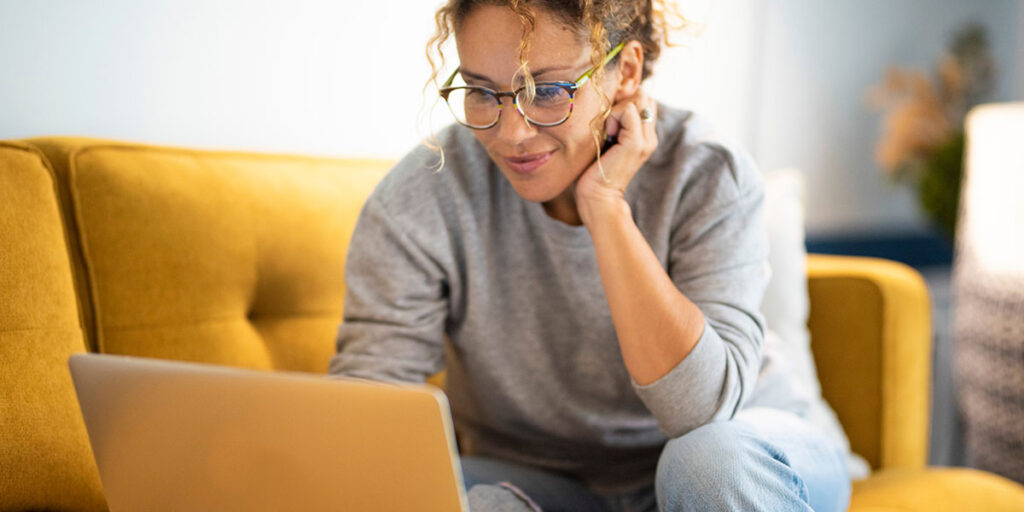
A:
{"x": 936, "y": 490}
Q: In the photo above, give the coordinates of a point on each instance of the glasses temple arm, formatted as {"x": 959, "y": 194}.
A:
{"x": 611, "y": 55}
{"x": 451, "y": 78}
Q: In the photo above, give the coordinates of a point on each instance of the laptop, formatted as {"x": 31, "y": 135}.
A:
{"x": 197, "y": 437}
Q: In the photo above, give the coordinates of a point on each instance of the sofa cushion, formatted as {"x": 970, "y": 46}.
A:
{"x": 45, "y": 459}
{"x": 936, "y": 490}
{"x": 221, "y": 257}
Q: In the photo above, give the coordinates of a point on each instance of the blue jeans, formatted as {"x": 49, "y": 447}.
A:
{"x": 763, "y": 459}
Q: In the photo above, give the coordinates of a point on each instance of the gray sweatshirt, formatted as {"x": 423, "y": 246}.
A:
{"x": 454, "y": 270}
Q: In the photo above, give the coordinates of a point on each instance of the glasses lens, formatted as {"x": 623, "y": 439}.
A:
{"x": 473, "y": 107}
{"x": 550, "y": 104}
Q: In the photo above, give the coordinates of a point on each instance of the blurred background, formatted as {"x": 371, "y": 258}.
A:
{"x": 792, "y": 80}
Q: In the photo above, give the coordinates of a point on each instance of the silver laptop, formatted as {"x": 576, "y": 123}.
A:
{"x": 195, "y": 437}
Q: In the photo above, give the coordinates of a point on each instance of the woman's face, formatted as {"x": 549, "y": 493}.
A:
{"x": 540, "y": 162}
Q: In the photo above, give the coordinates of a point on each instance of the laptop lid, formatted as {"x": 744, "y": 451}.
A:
{"x": 186, "y": 436}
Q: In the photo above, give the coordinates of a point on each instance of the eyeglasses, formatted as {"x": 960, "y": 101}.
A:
{"x": 550, "y": 104}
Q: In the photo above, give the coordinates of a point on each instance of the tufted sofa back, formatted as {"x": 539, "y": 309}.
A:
{"x": 220, "y": 257}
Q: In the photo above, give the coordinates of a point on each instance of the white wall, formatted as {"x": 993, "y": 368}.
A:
{"x": 309, "y": 76}
{"x": 712, "y": 69}
{"x": 785, "y": 77}
{"x": 301, "y": 76}
{"x": 819, "y": 58}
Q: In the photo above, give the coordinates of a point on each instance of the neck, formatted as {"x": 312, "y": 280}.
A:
{"x": 563, "y": 207}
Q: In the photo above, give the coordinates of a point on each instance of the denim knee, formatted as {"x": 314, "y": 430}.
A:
{"x": 722, "y": 466}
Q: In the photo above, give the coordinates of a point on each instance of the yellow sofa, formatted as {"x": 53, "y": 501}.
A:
{"x": 237, "y": 258}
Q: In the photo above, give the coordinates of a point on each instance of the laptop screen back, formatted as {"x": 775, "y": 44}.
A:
{"x": 183, "y": 436}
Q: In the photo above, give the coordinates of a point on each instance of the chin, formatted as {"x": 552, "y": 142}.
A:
{"x": 533, "y": 189}
{"x": 536, "y": 194}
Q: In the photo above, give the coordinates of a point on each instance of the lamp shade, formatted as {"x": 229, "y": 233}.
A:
{"x": 988, "y": 287}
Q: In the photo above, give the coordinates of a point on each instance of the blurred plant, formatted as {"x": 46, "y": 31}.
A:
{"x": 922, "y": 140}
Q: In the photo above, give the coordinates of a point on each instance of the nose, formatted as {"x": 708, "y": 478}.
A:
{"x": 512, "y": 126}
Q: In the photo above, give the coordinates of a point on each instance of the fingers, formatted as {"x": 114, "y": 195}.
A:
{"x": 629, "y": 121}
{"x": 648, "y": 126}
{"x": 611, "y": 125}
{"x": 637, "y": 140}
{"x": 632, "y": 131}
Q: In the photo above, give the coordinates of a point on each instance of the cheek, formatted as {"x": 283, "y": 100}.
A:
{"x": 486, "y": 138}
{"x": 583, "y": 118}
{"x": 578, "y": 139}
{"x": 587, "y": 109}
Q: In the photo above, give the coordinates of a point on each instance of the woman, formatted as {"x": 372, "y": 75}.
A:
{"x": 605, "y": 343}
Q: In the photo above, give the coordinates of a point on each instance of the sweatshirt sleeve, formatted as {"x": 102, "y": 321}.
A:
{"x": 717, "y": 259}
{"x": 395, "y": 304}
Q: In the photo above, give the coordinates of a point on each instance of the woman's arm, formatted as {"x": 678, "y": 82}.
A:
{"x": 690, "y": 332}
{"x": 395, "y": 304}
{"x": 657, "y": 325}
{"x": 691, "y": 335}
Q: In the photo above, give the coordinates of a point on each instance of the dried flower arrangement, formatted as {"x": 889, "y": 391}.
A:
{"x": 922, "y": 138}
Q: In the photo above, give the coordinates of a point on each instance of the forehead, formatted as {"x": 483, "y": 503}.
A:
{"x": 489, "y": 37}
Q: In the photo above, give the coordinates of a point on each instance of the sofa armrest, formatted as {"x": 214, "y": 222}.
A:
{"x": 871, "y": 337}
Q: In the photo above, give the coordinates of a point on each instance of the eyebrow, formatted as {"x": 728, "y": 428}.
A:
{"x": 482, "y": 78}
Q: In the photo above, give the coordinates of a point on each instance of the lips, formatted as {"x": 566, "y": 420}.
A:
{"x": 528, "y": 163}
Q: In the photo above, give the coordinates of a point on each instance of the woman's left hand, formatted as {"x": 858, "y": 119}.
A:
{"x": 637, "y": 139}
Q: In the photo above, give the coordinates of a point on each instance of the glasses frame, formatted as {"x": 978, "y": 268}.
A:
{"x": 570, "y": 87}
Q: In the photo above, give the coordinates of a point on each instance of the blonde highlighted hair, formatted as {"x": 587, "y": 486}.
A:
{"x": 603, "y": 23}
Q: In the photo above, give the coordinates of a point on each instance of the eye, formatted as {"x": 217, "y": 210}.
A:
{"x": 477, "y": 97}
{"x": 549, "y": 92}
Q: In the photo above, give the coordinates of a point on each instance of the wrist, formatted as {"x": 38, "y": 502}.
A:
{"x": 603, "y": 209}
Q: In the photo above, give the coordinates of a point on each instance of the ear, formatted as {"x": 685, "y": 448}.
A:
{"x": 630, "y": 70}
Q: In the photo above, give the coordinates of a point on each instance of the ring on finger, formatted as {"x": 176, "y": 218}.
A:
{"x": 646, "y": 115}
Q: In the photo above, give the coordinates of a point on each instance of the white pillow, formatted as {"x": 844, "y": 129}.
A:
{"x": 786, "y": 303}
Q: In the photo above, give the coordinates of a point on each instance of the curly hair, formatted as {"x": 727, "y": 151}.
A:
{"x": 603, "y": 23}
